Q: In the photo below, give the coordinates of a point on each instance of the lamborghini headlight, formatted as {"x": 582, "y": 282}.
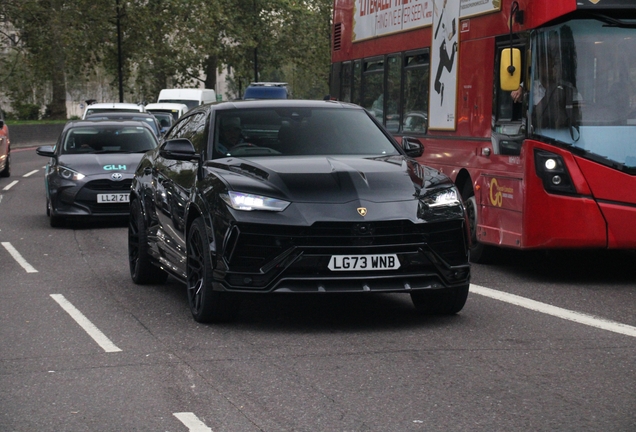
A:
{"x": 442, "y": 198}
{"x": 249, "y": 202}
{"x": 68, "y": 174}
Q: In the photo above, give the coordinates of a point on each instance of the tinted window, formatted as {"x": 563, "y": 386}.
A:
{"x": 373, "y": 87}
{"x": 416, "y": 79}
{"x": 175, "y": 132}
{"x": 301, "y": 131}
{"x": 265, "y": 92}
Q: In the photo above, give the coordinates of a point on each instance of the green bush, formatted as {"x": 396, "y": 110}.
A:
{"x": 25, "y": 111}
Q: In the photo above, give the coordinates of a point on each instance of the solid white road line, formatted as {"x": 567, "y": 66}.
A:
{"x": 16, "y": 256}
{"x": 88, "y": 326}
{"x": 192, "y": 422}
{"x": 555, "y": 311}
{"x": 31, "y": 173}
{"x": 10, "y": 185}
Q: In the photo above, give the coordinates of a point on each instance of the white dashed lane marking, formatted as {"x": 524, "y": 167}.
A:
{"x": 29, "y": 174}
{"x": 192, "y": 422}
{"x": 88, "y": 326}
{"x": 577, "y": 317}
{"x": 16, "y": 256}
{"x": 10, "y": 185}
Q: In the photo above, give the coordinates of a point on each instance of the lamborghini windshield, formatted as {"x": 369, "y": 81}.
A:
{"x": 290, "y": 131}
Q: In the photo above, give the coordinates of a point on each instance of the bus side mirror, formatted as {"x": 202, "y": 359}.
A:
{"x": 510, "y": 69}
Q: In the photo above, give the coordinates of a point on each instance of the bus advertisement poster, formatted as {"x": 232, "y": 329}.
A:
{"x": 442, "y": 104}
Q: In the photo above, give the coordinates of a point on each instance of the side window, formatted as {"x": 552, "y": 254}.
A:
{"x": 345, "y": 82}
{"x": 357, "y": 82}
{"x": 416, "y": 85}
{"x": 176, "y": 131}
{"x": 335, "y": 78}
{"x": 373, "y": 87}
{"x": 196, "y": 132}
{"x": 393, "y": 87}
{"x": 509, "y": 108}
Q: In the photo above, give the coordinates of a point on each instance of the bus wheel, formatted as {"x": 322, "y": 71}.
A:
{"x": 479, "y": 252}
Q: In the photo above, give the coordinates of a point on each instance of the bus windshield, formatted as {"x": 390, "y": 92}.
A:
{"x": 583, "y": 88}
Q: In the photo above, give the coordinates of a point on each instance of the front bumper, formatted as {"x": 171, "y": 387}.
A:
{"x": 269, "y": 258}
{"x": 74, "y": 198}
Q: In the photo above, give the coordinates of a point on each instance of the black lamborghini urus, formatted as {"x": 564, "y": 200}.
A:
{"x": 293, "y": 196}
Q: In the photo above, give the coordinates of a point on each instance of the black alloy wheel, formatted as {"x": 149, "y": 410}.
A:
{"x": 447, "y": 301}
{"x": 479, "y": 252}
{"x": 206, "y": 304}
{"x": 142, "y": 271}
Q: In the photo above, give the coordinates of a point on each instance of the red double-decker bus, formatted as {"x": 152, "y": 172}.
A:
{"x": 529, "y": 106}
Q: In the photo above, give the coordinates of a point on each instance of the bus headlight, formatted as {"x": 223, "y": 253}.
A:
{"x": 551, "y": 169}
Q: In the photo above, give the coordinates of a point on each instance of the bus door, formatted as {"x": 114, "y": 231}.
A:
{"x": 501, "y": 180}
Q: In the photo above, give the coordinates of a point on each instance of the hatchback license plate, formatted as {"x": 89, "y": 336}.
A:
{"x": 364, "y": 262}
{"x": 113, "y": 198}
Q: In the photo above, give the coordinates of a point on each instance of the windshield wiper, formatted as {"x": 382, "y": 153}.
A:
{"x": 615, "y": 22}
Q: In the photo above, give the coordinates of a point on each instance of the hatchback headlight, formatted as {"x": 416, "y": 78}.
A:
{"x": 68, "y": 174}
{"x": 249, "y": 202}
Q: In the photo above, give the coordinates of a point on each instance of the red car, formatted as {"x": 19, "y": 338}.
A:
{"x": 5, "y": 148}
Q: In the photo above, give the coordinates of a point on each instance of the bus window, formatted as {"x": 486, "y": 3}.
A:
{"x": 335, "y": 83}
{"x": 357, "y": 77}
{"x": 373, "y": 87}
{"x": 345, "y": 82}
{"x": 416, "y": 82}
{"x": 505, "y": 107}
{"x": 393, "y": 84}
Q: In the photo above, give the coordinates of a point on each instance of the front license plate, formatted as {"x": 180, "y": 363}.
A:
{"x": 363, "y": 262}
{"x": 113, "y": 198}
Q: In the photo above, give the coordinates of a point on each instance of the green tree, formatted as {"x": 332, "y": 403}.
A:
{"x": 70, "y": 45}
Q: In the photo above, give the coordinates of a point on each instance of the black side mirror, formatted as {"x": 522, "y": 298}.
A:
{"x": 179, "y": 149}
{"x": 48, "y": 151}
{"x": 412, "y": 146}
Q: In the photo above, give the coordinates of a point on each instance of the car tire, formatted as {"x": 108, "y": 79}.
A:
{"x": 206, "y": 305}
{"x": 6, "y": 172}
{"x": 446, "y": 301}
{"x": 54, "y": 221}
{"x": 142, "y": 271}
{"x": 479, "y": 252}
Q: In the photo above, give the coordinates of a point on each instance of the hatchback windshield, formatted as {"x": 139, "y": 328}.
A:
{"x": 108, "y": 139}
{"x": 299, "y": 131}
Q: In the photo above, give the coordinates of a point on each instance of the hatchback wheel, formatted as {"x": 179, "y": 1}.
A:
{"x": 206, "y": 304}
{"x": 54, "y": 221}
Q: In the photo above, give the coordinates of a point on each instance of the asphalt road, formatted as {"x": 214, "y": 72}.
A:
{"x": 546, "y": 342}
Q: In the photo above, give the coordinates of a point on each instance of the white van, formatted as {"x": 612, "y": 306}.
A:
{"x": 189, "y": 97}
{"x": 174, "y": 109}
{"x": 98, "y": 108}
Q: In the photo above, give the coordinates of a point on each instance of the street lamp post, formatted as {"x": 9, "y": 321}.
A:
{"x": 119, "y": 56}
